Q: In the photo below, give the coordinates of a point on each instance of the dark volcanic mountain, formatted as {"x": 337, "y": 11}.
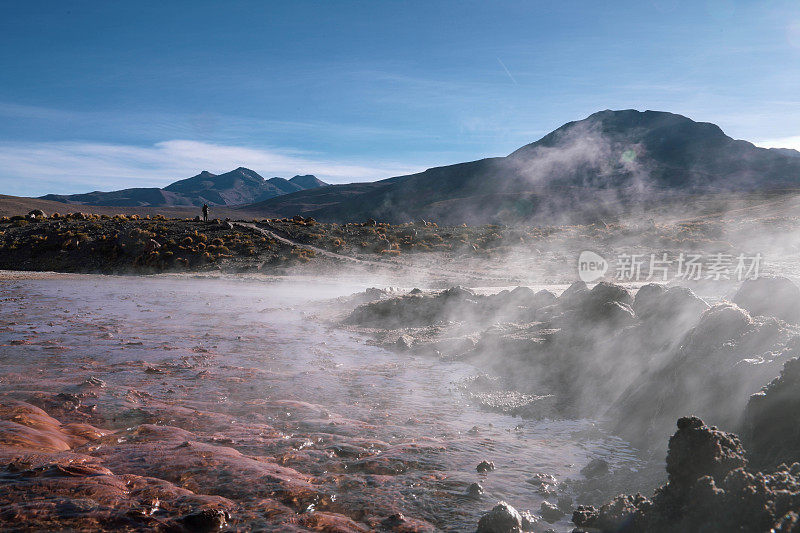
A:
{"x": 240, "y": 186}
{"x": 589, "y": 167}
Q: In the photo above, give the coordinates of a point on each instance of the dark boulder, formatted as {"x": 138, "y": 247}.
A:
{"x": 404, "y": 343}
{"x": 617, "y": 313}
{"x": 770, "y": 296}
{"x": 709, "y": 489}
{"x": 550, "y": 512}
{"x": 595, "y": 468}
{"x": 609, "y": 292}
{"x": 646, "y": 302}
{"x": 696, "y": 450}
{"x": 719, "y": 324}
{"x": 521, "y": 294}
{"x": 393, "y": 521}
{"x": 771, "y": 426}
{"x": 670, "y": 307}
{"x": 456, "y": 294}
{"x": 206, "y": 520}
{"x": 541, "y": 299}
{"x": 619, "y": 515}
{"x": 485, "y": 466}
{"x": 573, "y": 294}
{"x": 475, "y": 491}
{"x": 501, "y": 519}
{"x": 605, "y": 303}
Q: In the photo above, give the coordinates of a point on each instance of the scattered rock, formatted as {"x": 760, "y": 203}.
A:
{"x": 475, "y": 490}
{"x": 206, "y": 520}
{"x": 708, "y": 489}
{"x": 394, "y": 520}
{"x": 609, "y": 292}
{"x": 93, "y": 381}
{"x": 671, "y": 310}
{"x": 456, "y": 293}
{"x": 648, "y": 297}
{"x": 770, "y": 296}
{"x": 485, "y": 466}
{"x": 771, "y": 426}
{"x": 501, "y": 519}
{"x": 374, "y": 293}
{"x": 577, "y": 287}
{"x": 565, "y": 503}
{"x": 404, "y": 342}
{"x": 528, "y": 521}
{"x": 617, "y": 313}
{"x": 696, "y": 451}
{"x": 595, "y": 468}
{"x": 721, "y": 323}
{"x": 550, "y": 512}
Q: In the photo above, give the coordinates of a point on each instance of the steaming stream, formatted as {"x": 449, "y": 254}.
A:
{"x": 243, "y": 353}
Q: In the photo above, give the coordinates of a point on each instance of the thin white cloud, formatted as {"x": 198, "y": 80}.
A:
{"x": 785, "y": 142}
{"x": 64, "y": 167}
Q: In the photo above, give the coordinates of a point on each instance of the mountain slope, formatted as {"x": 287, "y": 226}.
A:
{"x": 125, "y": 197}
{"x": 237, "y": 187}
{"x": 584, "y": 169}
{"x": 308, "y": 181}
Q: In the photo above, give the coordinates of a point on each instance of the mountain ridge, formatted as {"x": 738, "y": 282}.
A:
{"x": 581, "y": 170}
{"x": 240, "y": 186}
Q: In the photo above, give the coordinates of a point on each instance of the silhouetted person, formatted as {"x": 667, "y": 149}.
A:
{"x": 205, "y": 212}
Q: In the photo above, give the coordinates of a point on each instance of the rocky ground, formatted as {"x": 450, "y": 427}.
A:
{"x": 709, "y": 488}
{"x": 122, "y": 244}
{"x": 104, "y": 243}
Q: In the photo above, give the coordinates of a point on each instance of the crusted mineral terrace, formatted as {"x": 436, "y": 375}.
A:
{"x": 180, "y": 404}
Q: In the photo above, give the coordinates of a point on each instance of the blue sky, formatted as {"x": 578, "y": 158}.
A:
{"x": 105, "y": 95}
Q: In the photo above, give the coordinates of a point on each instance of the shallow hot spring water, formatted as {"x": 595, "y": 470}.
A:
{"x": 246, "y": 365}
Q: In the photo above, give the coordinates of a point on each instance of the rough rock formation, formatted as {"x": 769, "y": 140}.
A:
{"x": 771, "y": 426}
{"x": 770, "y": 296}
{"x": 727, "y": 354}
{"x": 503, "y": 518}
{"x": 708, "y": 489}
{"x": 641, "y": 361}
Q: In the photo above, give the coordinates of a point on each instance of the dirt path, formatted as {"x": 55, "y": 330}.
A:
{"x": 431, "y": 273}
{"x": 319, "y": 251}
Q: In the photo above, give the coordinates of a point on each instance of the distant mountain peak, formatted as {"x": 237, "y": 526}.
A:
{"x": 307, "y": 181}
{"x": 236, "y": 187}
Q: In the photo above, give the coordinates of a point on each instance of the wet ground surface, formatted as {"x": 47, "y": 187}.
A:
{"x": 232, "y": 395}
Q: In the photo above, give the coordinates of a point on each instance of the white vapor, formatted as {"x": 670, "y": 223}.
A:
{"x": 33, "y": 169}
